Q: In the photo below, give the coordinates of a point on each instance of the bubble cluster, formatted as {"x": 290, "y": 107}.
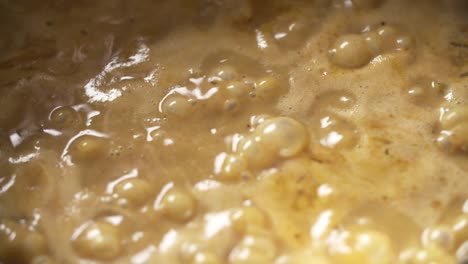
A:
{"x": 454, "y": 129}
{"x": 226, "y": 88}
{"x": 276, "y": 138}
{"x": 440, "y": 243}
{"x": 357, "y": 50}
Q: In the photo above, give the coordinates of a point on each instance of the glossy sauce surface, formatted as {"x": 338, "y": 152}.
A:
{"x": 238, "y": 132}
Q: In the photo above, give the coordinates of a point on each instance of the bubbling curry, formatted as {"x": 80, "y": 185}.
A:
{"x": 237, "y": 132}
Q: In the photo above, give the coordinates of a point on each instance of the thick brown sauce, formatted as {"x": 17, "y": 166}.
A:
{"x": 205, "y": 132}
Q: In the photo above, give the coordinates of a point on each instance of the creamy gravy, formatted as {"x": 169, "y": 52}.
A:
{"x": 205, "y": 132}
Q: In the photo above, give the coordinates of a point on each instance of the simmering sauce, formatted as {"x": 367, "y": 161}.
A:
{"x": 234, "y": 131}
